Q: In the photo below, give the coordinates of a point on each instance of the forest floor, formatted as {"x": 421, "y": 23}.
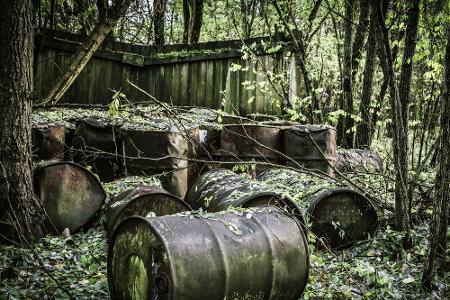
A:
{"x": 75, "y": 267}
{"x": 58, "y": 268}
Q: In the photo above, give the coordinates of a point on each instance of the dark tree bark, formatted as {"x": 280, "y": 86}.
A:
{"x": 363, "y": 136}
{"x": 346, "y": 122}
{"x": 186, "y": 21}
{"x": 108, "y": 17}
{"x": 17, "y": 202}
{"x": 51, "y": 18}
{"x": 438, "y": 240}
{"x": 360, "y": 35}
{"x": 405, "y": 81}
{"x": 400, "y": 141}
{"x": 159, "y": 19}
{"x": 193, "y": 20}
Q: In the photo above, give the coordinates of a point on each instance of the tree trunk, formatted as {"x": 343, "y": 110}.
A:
{"x": 363, "y": 136}
{"x": 438, "y": 244}
{"x": 196, "y": 20}
{"x": 346, "y": 122}
{"x": 17, "y": 202}
{"x": 360, "y": 35}
{"x": 186, "y": 21}
{"x": 405, "y": 84}
{"x": 400, "y": 143}
{"x": 108, "y": 18}
{"x": 159, "y": 19}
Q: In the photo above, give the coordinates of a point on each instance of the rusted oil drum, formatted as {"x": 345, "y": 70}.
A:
{"x": 209, "y": 140}
{"x": 96, "y": 144}
{"x": 71, "y": 195}
{"x": 140, "y": 201}
{"x": 250, "y": 142}
{"x": 220, "y": 189}
{"x": 48, "y": 141}
{"x": 359, "y": 160}
{"x": 150, "y": 152}
{"x": 312, "y": 146}
{"x": 261, "y": 117}
{"x": 226, "y": 119}
{"x": 258, "y": 253}
{"x": 338, "y": 214}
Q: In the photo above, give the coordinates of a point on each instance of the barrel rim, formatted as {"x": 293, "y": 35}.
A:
{"x": 148, "y": 224}
{"x": 136, "y": 198}
{"x": 323, "y": 194}
{"x": 254, "y": 125}
{"x": 124, "y": 130}
{"x": 296, "y": 129}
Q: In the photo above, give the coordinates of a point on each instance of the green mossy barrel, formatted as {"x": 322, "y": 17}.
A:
{"x": 359, "y": 160}
{"x": 258, "y": 253}
{"x": 96, "y": 143}
{"x": 48, "y": 141}
{"x": 140, "y": 201}
{"x": 220, "y": 189}
{"x": 311, "y": 146}
{"x": 339, "y": 215}
{"x": 151, "y": 151}
{"x": 71, "y": 195}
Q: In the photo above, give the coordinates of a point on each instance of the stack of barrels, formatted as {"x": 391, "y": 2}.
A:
{"x": 241, "y": 237}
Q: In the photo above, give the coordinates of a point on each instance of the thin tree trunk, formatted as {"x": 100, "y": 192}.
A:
{"x": 346, "y": 122}
{"x": 439, "y": 224}
{"x": 186, "y": 21}
{"x": 52, "y": 14}
{"x": 108, "y": 19}
{"x": 17, "y": 202}
{"x": 360, "y": 35}
{"x": 159, "y": 19}
{"x": 405, "y": 76}
{"x": 363, "y": 136}
{"x": 400, "y": 138}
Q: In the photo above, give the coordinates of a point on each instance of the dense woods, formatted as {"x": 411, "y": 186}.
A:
{"x": 354, "y": 159}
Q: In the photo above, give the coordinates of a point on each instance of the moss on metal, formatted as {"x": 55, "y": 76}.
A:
{"x": 257, "y": 253}
{"x": 337, "y": 213}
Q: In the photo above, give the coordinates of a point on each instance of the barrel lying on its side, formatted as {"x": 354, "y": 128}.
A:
{"x": 71, "y": 195}
{"x": 259, "y": 253}
{"x": 338, "y": 214}
{"x": 140, "y": 201}
{"x": 220, "y": 189}
{"x": 354, "y": 160}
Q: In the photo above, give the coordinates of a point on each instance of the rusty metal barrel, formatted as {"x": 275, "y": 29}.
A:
{"x": 220, "y": 189}
{"x": 258, "y": 253}
{"x": 48, "y": 141}
{"x": 150, "y": 151}
{"x": 250, "y": 142}
{"x": 359, "y": 160}
{"x": 338, "y": 214}
{"x": 312, "y": 146}
{"x": 71, "y": 195}
{"x": 96, "y": 144}
{"x": 140, "y": 201}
